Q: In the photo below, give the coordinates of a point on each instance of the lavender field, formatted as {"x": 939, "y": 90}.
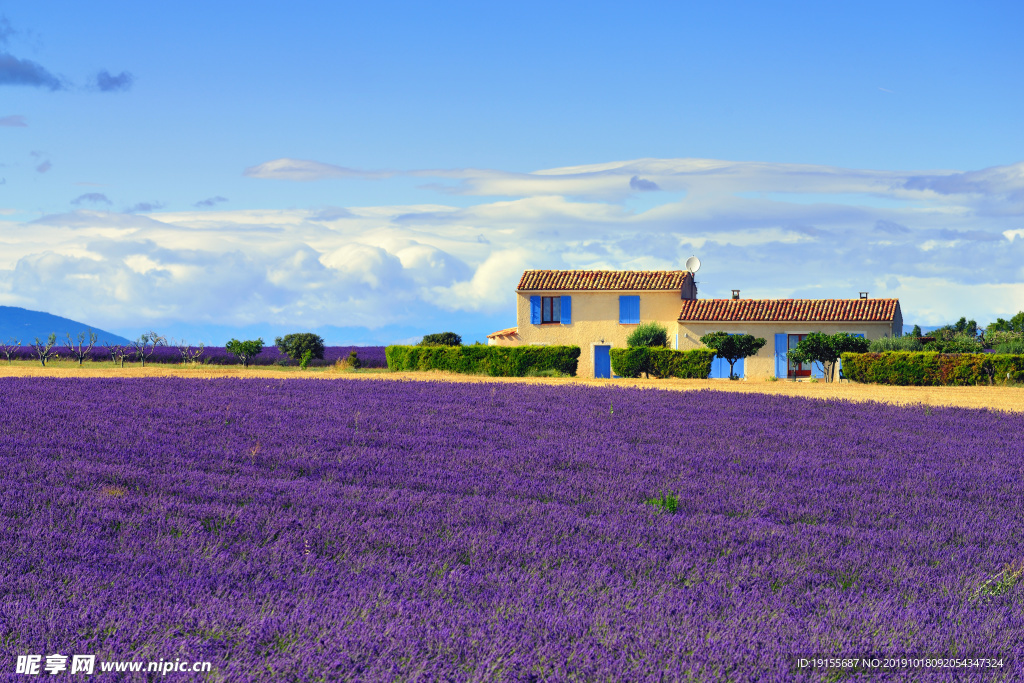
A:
{"x": 379, "y": 531}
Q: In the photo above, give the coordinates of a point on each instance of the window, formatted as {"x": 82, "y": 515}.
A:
{"x": 629, "y": 310}
{"x": 551, "y": 309}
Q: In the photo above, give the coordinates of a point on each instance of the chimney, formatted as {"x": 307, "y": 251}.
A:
{"x": 735, "y": 294}
{"x": 863, "y": 295}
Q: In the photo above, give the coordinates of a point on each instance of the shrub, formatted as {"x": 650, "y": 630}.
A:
{"x": 904, "y": 343}
{"x": 955, "y": 342}
{"x": 667, "y": 502}
{"x": 296, "y": 345}
{"x": 692, "y": 364}
{"x": 933, "y": 369}
{"x": 497, "y": 361}
{"x": 648, "y": 334}
{"x": 1012, "y": 347}
{"x": 441, "y": 339}
{"x": 996, "y": 338}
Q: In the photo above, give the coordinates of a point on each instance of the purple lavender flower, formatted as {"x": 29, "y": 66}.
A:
{"x": 380, "y": 531}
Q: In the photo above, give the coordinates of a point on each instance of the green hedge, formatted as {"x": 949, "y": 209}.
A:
{"x": 933, "y": 369}
{"x": 497, "y": 361}
{"x": 631, "y": 362}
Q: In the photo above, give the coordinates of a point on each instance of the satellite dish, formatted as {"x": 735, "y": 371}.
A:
{"x": 693, "y": 264}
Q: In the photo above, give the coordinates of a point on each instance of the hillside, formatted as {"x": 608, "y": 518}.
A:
{"x": 25, "y": 325}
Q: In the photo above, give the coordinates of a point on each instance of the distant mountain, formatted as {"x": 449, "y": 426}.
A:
{"x": 26, "y": 325}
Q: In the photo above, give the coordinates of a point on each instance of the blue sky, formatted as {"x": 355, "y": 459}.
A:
{"x": 383, "y": 170}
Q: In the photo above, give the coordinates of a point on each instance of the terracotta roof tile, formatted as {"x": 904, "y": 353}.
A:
{"x": 753, "y": 310}
{"x": 576, "y": 280}
{"x": 507, "y": 332}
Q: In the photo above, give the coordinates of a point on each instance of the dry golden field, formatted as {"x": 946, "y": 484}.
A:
{"x": 998, "y": 398}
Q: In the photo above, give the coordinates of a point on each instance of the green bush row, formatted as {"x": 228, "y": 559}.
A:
{"x": 497, "y": 361}
{"x": 933, "y": 369}
{"x": 693, "y": 364}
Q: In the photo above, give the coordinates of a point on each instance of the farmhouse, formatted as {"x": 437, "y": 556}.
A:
{"x": 598, "y": 309}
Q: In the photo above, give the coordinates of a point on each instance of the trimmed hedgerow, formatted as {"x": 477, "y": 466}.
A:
{"x": 692, "y": 364}
{"x": 933, "y": 369}
{"x": 497, "y": 361}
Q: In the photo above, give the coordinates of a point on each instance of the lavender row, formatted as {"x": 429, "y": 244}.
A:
{"x": 369, "y": 356}
{"x": 381, "y": 531}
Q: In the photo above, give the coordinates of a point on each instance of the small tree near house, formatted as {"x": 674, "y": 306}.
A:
{"x": 245, "y": 350}
{"x": 733, "y": 347}
{"x": 827, "y": 349}
{"x": 80, "y": 351}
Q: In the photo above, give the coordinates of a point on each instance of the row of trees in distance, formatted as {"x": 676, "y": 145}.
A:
{"x": 301, "y": 347}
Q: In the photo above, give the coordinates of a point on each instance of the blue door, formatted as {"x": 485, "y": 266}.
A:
{"x": 602, "y": 362}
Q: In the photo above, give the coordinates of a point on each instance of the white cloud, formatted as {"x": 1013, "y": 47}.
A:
{"x": 492, "y": 285}
{"x": 303, "y": 170}
{"x": 946, "y": 243}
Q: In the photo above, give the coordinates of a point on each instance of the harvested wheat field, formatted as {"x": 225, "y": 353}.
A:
{"x": 997, "y": 398}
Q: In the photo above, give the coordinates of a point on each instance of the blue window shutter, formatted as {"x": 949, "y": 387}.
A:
{"x": 629, "y": 310}
{"x": 781, "y": 362}
{"x": 535, "y": 310}
{"x": 566, "y": 310}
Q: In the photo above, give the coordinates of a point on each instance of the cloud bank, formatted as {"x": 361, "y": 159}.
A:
{"x": 946, "y": 242}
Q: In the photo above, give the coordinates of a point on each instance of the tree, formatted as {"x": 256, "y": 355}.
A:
{"x": 245, "y": 350}
{"x": 961, "y": 328}
{"x": 441, "y": 339}
{"x": 145, "y": 346}
{"x": 648, "y": 334}
{"x": 733, "y": 347}
{"x": 296, "y": 345}
{"x": 189, "y": 354}
{"x": 118, "y": 352}
{"x": 916, "y": 332}
{"x": 45, "y": 349}
{"x": 1014, "y": 324}
{"x": 10, "y": 348}
{"x": 827, "y": 349}
{"x": 80, "y": 351}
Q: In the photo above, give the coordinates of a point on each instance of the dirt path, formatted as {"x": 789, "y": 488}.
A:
{"x": 999, "y": 398}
